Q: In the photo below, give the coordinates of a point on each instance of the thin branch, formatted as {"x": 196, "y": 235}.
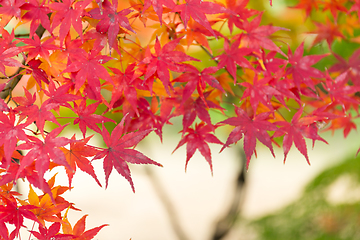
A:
{"x": 14, "y": 81}
{"x": 166, "y": 202}
{"x": 21, "y": 35}
{"x": 226, "y": 223}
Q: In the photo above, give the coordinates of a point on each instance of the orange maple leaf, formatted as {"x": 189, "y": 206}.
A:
{"x": 78, "y": 231}
{"x": 46, "y": 210}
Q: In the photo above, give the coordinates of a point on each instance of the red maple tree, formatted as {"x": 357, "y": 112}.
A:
{"x": 82, "y": 61}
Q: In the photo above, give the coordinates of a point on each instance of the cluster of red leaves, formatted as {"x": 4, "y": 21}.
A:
{"x": 49, "y": 207}
{"x": 86, "y": 64}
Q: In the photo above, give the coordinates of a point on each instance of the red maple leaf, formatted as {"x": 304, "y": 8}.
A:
{"x": 234, "y": 55}
{"x": 8, "y": 40}
{"x": 100, "y": 40}
{"x": 239, "y": 13}
{"x": 295, "y": 131}
{"x": 25, "y": 102}
{"x": 51, "y": 233}
{"x": 198, "y": 138}
{"x": 38, "y": 73}
{"x": 195, "y": 79}
{"x": 42, "y": 151}
{"x": 271, "y": 63}
{"x": 158, "y": 6}
{"x": 11, "y": 8}
{"x": 260, "y": 91}
{"x": 7, "y": 191}
{"x": 67, "y": 13}
{"x": 110, "y": 19}
{"x": 11, "y": 213}
{"x": 301, "y": 69}
{"x": 355, "y": 7}
{"x": 77, "y": 155}
{"x": 37, "y": 13}
{"x": 4, "y": 232}
{"x": 6, "y": 59}
{"x": 144, "y": 14}
{"x": 29, "y": 173}
{"x": 285, "y": 87}
{"x": 88, "y": 118}
{"x": 198, "y": 107}
{"x": 10, "y": 134}
{"x": 118, "y": 154}
{"x": 59, "y": 96}
{"x": 339, "y": 91}
{"x": 196, "y": 32}
{"x": 250, "y": 129}
{"x": 35, "y": 47}
{"x": 308, "y": 6}
{"x": 335, "y": 7}
{"x": 328, "y": 31}
{"x": 71, "y": 49}
{"x": 148, "y": 117}
{"x": 89, "y": 67}
{"x": 122, "y": 86}
{"x": 344, "y": 121}
{"x": 257, "y": 37}
{"x": 352, "y": 66}
{"x": 197, "y": 10}
{"x": 163, "y": 60}
{"x": 28, "y": 109}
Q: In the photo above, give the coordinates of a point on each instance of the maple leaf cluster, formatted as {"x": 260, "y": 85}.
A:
{"x": 48, "y": 207}
{"x": 118, "y": 70}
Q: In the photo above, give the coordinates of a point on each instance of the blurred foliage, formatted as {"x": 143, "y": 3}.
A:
{"x": 329, "y": 208}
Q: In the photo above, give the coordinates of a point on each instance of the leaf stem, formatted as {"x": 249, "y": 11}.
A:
{"x": 32, "y": 229}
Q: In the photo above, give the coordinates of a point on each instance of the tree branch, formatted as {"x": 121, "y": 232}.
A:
{"x": 224, "y": 225}
{"x": 14, "y": 81}
{"x": 166, "y": 202}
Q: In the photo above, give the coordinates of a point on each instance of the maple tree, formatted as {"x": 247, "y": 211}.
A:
{"x": 117, "y": 70}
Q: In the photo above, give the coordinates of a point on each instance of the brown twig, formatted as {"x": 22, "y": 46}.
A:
{"x": 166, "y": 202}
{"x": 225, "y": 224}
{"x": 15, "y": 80}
